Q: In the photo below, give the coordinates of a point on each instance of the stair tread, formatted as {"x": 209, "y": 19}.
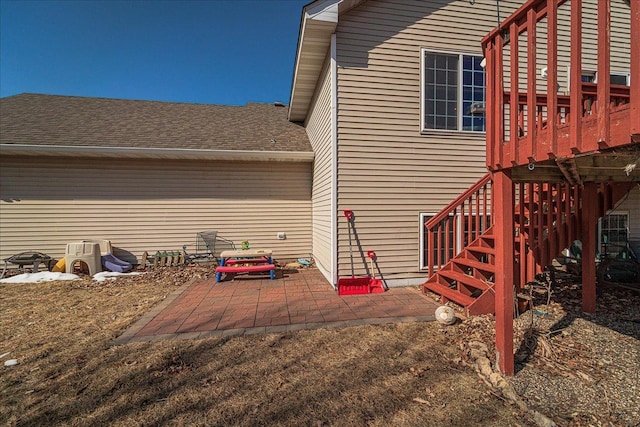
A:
{"x": 448, "y": 293}
{"x": 483, "y": 249}
{"x": 475, "y": 264}
{"x": 467, "y": 280}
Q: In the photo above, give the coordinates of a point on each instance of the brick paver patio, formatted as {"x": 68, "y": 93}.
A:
{"x": 293, "y": 301}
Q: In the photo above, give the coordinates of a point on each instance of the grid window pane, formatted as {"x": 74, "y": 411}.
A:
{"x": 443, "y": 86}
{"x": 440, "y": 91}
{"x": 614, "y": 234}
{"x": 473, "y": 95}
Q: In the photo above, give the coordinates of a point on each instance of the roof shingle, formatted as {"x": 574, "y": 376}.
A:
{"x": 52, "y": 120}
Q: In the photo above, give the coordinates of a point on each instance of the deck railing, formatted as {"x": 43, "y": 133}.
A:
{"x": 458, "y": 224}
{"x": 526, "y": 123}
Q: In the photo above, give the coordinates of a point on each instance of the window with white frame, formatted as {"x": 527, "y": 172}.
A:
{"x": 613, "y": 234}
{"x": 591, "y": 76}
{"x": 453, "y": 92}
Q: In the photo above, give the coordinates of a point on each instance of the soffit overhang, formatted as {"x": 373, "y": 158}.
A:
{"x": 319, "y": 21}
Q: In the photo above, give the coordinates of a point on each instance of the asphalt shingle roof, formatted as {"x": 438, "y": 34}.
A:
{"x": 51, "y": 120}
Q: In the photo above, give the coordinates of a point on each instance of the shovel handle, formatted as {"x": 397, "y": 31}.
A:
{"x": 371, "y": 254}
{"x": 348, "y": 214}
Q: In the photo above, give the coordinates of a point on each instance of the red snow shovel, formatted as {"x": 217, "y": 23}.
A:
{"x": 376, "y": 286}
{"x": 356, "y": 285}
{"x": 353, "y": 285}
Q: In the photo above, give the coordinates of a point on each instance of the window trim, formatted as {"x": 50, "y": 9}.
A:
{"x": 594, "y": 74}
{"x": 427, "y": 131}
{"x": 624, "y": 213}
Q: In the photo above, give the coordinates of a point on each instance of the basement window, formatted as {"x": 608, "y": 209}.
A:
{"x": 613, "y": 234}
{"x": 453, "y": 92}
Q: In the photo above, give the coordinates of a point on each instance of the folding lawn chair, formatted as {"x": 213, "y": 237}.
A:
{"x": 210, "y": 242}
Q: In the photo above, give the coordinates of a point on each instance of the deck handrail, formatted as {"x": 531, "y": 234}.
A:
{"x": 599, "y": 115}
{"x": 447, "y": 210}
{"x": 469, "y": 213}
{"x": 589, "y": 90}
{"x": 519, "y": 17}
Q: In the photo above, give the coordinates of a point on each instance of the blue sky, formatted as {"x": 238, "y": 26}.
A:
{"x": 208, "y": 51}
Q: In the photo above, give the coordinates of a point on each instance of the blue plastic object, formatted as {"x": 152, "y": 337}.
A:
{"x": 111, "y": 263}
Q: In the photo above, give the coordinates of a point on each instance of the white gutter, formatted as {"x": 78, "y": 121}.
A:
{"x": 154, "y": 153}
{"x": 334, "y": 161}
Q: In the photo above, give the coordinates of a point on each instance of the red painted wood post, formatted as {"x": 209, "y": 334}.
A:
{"x": 470, "y": 217}
{"x": 562, "y": 216}
{"x": 462, "y": 223}
{"x": 575, "y": 79}
{"x": 578, "y": 209}
{"x": 554, "y": 215}
{"x": 489, "y": 90}
{"x": 456, "y": 232}
{"x": 430, "y": 244}
{"x": 532, "y": 125}
{"x": 552, "y": 77}
{"x": 498, "y": 118}
{"x": 513, "y": 99}
{"x": 635, "y": 67}
{"x": 540, "y": 228}
{"x": 570, "y": 215}
{"x": 604, "y": 71}
{"x": 476, "y": 232}
{"x": 531, "y": 270}
{"x": 439, "y": 260}
{"x": 549, "y": 221}
{"x": 503, "y": 195}
{"x": 522, "y": 267}
{"x": 485, "y": 207}
{"x": 589, "y": 220}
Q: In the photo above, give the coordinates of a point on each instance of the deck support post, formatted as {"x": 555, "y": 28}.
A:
{"x": 634, "y": 120}
{"x": 589, "y": 242}
{"x": 502, "y": 196}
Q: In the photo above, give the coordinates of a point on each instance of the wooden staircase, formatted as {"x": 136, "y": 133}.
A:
{"x": 547, "y": 220}
{"x": 557, "y": 148}
{"x": 468, "y": 278}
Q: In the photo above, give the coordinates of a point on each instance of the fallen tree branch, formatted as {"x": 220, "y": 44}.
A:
{"x": 478, "y": 358}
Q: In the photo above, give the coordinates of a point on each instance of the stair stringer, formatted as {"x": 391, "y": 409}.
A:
{"x": 462, "y": 294}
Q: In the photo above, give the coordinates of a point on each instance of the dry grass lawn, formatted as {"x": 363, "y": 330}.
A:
{"x": 69, "y": 374}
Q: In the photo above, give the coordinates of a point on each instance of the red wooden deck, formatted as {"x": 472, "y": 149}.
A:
{"x": 554, "y": 160}
{"x": 592, "y": 117}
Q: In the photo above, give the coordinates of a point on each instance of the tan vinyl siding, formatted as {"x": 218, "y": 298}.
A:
{"x": 150, "y": 205}
{"x": 319, "y": 130}
{"x": 632, "y": 205}
{"x": 388, "y": 171}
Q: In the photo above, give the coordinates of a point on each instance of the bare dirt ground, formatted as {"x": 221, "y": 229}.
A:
{"x": 416, "y": 374}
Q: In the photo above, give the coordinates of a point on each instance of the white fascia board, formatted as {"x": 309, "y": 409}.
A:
{"x": 326, "y": 10}
{"x": 154, "y": 153}
{"x": 315, "y": 16}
